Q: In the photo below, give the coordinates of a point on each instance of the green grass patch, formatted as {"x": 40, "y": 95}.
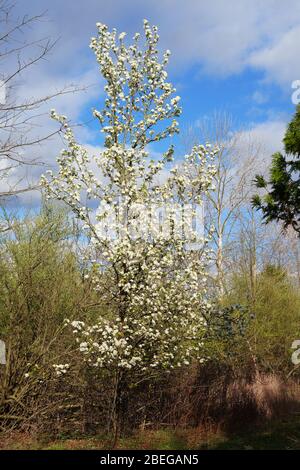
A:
{"x": 284, "y": 434}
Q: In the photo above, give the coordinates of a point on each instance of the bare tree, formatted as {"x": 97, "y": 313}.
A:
{"x": 235, "y": 168}
{"x": 18, "y": 116}
{"x": 282, "y": 249}
{"x": 257, "y": 246}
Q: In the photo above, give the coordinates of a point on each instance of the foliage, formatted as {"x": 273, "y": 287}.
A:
{"x": 40, "y": 284}
{"x": 282, "y": 201}
{"x": 275, "y": 319}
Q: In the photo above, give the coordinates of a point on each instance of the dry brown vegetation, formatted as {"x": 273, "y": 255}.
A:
{"x": 245, "y": 383}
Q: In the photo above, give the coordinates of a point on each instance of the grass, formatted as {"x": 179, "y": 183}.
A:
{"x": 284, "y": 434}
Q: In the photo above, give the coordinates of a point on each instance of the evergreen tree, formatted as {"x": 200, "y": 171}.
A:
{"x": 282, "y": 201}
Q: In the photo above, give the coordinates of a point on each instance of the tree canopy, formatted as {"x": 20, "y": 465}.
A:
{"x": 282, "y": 201}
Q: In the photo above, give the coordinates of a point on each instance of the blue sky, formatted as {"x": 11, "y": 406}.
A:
{"x": 238, "y": 56}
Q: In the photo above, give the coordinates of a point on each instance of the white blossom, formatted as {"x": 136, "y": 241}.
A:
{"x": 156, "y": 285}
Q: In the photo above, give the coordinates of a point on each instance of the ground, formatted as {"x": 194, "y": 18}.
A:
{"x": 284, "y": 434}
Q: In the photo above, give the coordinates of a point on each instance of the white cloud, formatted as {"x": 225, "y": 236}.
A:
{"x": 261, "y": 141}
{"x": 280, "y": 60}
{"x": 259, "y": 97}
{"x": 269, "y": 135}
{"x": 222, "y": 37}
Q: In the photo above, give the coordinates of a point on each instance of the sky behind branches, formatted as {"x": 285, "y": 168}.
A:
{"x": 236, "y": 56}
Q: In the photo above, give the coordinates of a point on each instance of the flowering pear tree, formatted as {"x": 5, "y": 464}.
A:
{"x": 152, "y": 282}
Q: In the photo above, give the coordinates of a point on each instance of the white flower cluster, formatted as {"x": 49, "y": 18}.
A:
{"x": 154, "y": 287}
{"x": 61, "y": 369}
{"x": 138, "y": 94}
{"x": 159, "y": 340}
